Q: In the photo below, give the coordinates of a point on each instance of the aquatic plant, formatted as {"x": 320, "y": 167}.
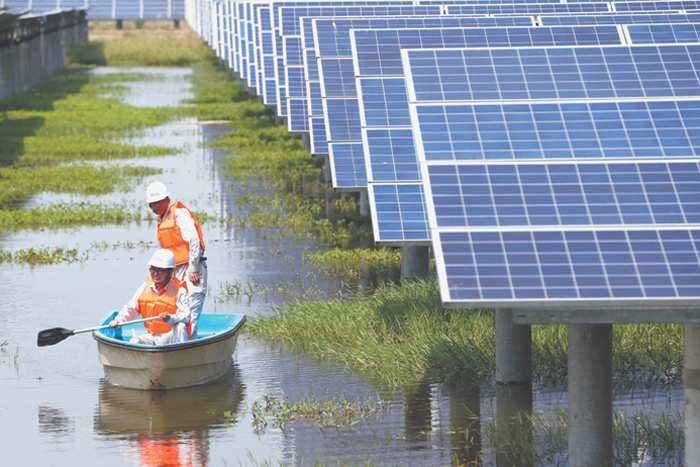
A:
{"x": 66, "y": 215}
{"x": 335, "y": 412}
{"x": 45, "y": 255}
{"x": 401, "y": 334}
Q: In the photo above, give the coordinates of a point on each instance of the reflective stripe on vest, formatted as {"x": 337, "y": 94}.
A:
{"x": 170, "y": 235}
{"x": 152, "y": 305}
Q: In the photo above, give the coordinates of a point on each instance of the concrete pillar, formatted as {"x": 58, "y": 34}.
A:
{"x": 176, "y": 23}
{"x": 120, "y": 24}
{"x": 590, "y": 395}
{"x": 306, "y": 141}
{"x": 513, "y": 349}
{"x": 364, "y": 203}
{"x": 415, "y": 261}
{"x": 691, "y": 392}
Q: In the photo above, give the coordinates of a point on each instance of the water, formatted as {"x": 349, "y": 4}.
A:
{"x": 56, "y": 409}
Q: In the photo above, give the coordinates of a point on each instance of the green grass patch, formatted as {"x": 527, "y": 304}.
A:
{"x": 402, "y": 334}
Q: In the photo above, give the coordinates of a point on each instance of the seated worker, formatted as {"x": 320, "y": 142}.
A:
{"x": 161, "y": 295}
{"x": 180, "y": 232}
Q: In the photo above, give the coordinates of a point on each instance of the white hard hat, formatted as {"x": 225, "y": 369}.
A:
{"x": 163, "y": 259}
{"x": 156, "y": 191}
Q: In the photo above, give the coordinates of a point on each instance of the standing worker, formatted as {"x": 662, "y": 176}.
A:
{"x": 180, "y": 232}
{"x": 161, "y": 295}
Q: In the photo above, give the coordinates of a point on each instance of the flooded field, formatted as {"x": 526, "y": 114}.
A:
{"x": 56, "y": 410}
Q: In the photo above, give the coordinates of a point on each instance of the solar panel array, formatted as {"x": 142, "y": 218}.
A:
{"x": 103, "y": 9}
{"x": 547, "y": 151}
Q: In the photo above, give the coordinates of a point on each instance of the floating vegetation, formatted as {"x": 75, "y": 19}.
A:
{"x": 334, "y": 413}
{"x": 46, "y": 255}
{"x": 354, "y": 262}
{"x": 67, "y": 215}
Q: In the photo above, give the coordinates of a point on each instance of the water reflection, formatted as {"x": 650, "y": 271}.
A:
{"x": 168, "y": 428}
{"x": 512, "y": 401}
{"x": 465, "y": 423}
{"x": 55, "y": 422}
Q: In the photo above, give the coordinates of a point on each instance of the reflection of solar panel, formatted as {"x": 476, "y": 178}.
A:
{"x": 580, "y": 223}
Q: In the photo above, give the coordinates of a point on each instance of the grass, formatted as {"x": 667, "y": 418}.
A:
{"x": 401, "y": 334}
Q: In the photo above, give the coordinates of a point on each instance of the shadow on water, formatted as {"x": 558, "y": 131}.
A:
{"x": 42, "y": 98}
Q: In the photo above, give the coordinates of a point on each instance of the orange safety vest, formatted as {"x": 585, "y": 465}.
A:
{"x": 152, "y": 305}
{"x": 170, "y": 235}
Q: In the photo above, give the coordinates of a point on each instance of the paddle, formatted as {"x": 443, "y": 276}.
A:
{"x": 55, "y": 335}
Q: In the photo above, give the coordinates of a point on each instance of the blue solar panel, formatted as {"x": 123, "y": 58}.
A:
{"x": 298, "y": 121}
{"x": 564, "y": 194}
{"x": 296, "y": 81}
{"x": 391, "y": 154}
{"x": 310, "y": 65}
{"x": 290, "y": 24}
{"x": 342, "y": 120}
{"x": 317, "y": 130}
{"x": 559, "y": 130}
{"x": 332, "y": 36}
{"x": 398, "y": 214}
{"x": 315, "y": 99}
{"x": 384, "y": 102}
{"x": 527, "y": 9}
{"x": 656, "y": 6}
{"x": 609, "y": 267}
{"x": 663, "y": 33}
{"x": 337, "y": 77}
{"x": 618, "y": 18}
{"x": 556, "y": 73}
{"x": 378, "y": 52}
{"x": 347, "y": 169}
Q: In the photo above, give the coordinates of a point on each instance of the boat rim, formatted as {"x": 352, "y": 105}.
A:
{"x": 111, "y": 342}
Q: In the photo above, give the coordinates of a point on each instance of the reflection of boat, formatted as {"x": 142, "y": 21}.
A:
{"x": 173, "y": 365}
{"x": 140, "y": 413}
{"x": 168, "y": 428}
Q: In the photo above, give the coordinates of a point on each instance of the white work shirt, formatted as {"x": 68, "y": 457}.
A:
{"x": 131, "y": 310}
{"x": 185, "y": 222}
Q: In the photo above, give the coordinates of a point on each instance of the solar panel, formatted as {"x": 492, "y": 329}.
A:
{"x": 398, "y": 215}
{"x": 298, "y": 121}
{"x": 317, "y": 130}
{"x": 587, "y": 193}
{"x": 559, "y": 130}
{"x": 618, "y": 18}
{"x": 378, "y": 52}
{"x": 663, "y": 33}
{"x": 656, "y": 6}
{"x": 527, "y": 8}
{"x": 391, "y": 154}
{"x": 346, "y": 168}
{"x": 569, "y": 267}
{"x": 611, "y": 72}
{"x": 529, "y": 217}
{"x": 332, "y": 36}
{"x": 342, "y": 120}
{"x": 337, "y": 77}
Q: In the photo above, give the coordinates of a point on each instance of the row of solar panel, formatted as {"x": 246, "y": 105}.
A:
{"x": 436, "y": 148}
{"x": 103, "y": 9}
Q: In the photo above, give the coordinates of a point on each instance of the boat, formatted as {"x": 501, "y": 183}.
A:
{"x": 170, "y": 366}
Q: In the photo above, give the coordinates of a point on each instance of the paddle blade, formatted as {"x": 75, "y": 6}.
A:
{"x": 52, "y": 336}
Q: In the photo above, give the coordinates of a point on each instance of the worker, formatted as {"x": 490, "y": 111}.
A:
{"x": 161, "y": 295}
{"x": 180, "y": 232}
